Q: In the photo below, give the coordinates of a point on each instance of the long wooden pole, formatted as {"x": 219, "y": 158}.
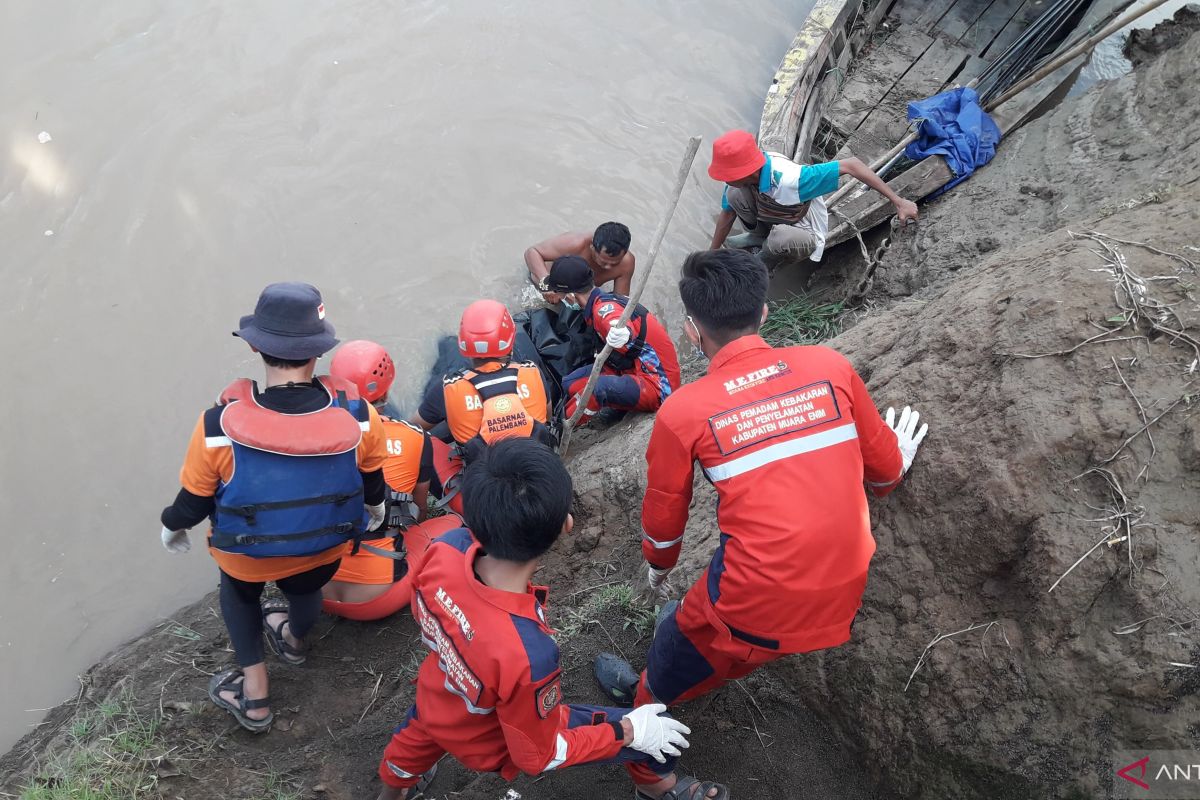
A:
{"x": 643, "y": 275}
{"x": 1041, "y": 72}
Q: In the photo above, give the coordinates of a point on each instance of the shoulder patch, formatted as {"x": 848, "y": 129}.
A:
{"x": 459, "y": 538}
{"x": 549, "y": 696}
{"x": 607, "y": 308}
{"x": 540, "y": 648}
{"x": 528, "y": 364}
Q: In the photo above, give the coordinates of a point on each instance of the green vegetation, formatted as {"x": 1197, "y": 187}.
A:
{"x": 619, "y": 598}
{"x": 799, "y": 320}
{"x": 278, "y": 788}
{"x": 112, "y": 754}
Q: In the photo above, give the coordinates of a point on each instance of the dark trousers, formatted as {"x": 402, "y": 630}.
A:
{"x": 243, "y": 614}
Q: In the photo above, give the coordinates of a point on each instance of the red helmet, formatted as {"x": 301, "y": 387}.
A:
{"x": 486, "y": 330}
{"x": 365, "y": 364}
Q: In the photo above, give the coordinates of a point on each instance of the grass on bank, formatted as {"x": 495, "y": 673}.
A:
{"x": 112, "y": 753}
{"x": 619, "y": 600}
{"x": 800, "y": 320}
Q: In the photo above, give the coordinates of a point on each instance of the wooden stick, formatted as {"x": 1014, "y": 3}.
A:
{"x": 643, "y": 275}
{"x": 1041, "y": 72}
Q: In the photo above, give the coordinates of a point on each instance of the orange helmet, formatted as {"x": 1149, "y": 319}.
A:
{"x": 365, "y": 364}
{"x": 486, "y": 330}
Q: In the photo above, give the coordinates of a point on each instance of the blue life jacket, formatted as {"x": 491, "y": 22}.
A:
{"x": 295, "y": 489}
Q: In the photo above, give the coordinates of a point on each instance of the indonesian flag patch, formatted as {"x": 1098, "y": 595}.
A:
{"x": 321, "y": 311}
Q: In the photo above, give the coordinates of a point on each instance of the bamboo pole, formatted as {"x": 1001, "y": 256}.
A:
{"x": 1066, "y": 56}
{"x": 643, "y": 275}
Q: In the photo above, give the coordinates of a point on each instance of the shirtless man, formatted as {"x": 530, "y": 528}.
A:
{"x": 606, "y": 251}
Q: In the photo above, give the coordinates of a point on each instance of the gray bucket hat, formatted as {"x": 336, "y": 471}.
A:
{"x": 288, "y": 322}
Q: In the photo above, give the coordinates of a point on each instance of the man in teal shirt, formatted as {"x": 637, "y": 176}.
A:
{"x": 779, "y": 201}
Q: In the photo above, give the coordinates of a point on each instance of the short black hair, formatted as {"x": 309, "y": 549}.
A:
{"x": 283, "y": 363}
{"x": 611, "y": 238}
{"x": 724, "y": 290}
{"x": 516, "y": 498}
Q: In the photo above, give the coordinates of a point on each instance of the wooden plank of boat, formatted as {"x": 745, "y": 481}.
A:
{"x": 979, "y": 36}
{"x": 887, "y": 123}
{"x": 874, "y": 76}
{"x": 799, "y": 70}
{"x": 922, "y": 16}
{"x": 867, "y": 209}
{"x": 1026, "y": 14}
{"x": 814, "y": 112}
{"x": 962, "y": 16}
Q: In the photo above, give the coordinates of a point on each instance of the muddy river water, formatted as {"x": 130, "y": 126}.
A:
{"x": 160, "y": 163}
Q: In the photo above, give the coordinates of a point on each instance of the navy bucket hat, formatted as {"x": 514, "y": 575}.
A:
{"x": 288, "y": 322}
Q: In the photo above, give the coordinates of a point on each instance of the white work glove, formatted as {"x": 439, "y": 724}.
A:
{"x": 907, "y": 435}
{"x": 376, "y": 515}
{"x": 618, "y": 337}
{"x": 657, "y": 737}
{"x": 657, "y": 580}
{"x": 175, "y": 541}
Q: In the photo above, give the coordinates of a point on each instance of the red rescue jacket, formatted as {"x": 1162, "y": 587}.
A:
{"x": 787, "y": 436}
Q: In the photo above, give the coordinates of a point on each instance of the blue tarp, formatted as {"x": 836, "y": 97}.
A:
{"x": 953, "y": 125}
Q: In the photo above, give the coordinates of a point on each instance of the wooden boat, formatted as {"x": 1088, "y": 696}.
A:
{"x": 843, "y": 87}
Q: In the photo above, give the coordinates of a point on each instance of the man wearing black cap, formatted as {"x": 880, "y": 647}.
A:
{"x": 289, "y": 475}
{"x": 643, "y": 368}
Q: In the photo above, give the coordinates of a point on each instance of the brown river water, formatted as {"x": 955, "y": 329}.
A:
{"x": 161, "y": 162}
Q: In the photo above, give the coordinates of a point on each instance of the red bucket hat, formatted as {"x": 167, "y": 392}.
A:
{"x": 735, "y": 156}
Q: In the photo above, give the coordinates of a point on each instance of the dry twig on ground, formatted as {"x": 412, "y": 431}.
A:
{"x": 941, "y": 637}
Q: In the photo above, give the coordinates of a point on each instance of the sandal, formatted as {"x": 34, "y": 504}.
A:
{"x": 689, "y": 788}
{"x": 228, "y": 681}
{"x": 287, "y": 654}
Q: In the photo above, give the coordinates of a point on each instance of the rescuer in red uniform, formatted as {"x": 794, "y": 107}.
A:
{"x": 641, "y": 371}
{"x": 489, "y": 693}
{"x": 787, "y": 436}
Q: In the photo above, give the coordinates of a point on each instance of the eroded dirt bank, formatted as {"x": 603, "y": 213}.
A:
{"x": 1030, "y": 463}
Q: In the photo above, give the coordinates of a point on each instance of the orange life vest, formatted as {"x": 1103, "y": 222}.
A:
{"x": 504, "y": 413}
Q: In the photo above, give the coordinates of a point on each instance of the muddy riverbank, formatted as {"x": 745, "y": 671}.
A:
{"x": 1039, "y": 452}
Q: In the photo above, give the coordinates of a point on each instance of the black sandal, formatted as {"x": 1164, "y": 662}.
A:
{"x": 228, "y": 681}
{"x": 287, "y": 654}
{"x": 689, "y": 788}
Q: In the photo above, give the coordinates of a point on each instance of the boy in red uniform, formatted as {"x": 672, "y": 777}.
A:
{"x": 787, "y": 437}
{"x": 643, "y": 368}
{"x": 490, "y": 693}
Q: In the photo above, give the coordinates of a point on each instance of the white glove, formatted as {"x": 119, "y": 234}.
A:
{"x": 657, "y": 580}
{"x": 175, "y": 541}
{"x": 618, "y": 337}
{"x": 376, "y": 515}
{"x": 657, "y": 737}
{"x": 907, "y": 435}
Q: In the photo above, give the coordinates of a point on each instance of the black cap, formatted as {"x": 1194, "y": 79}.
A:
{"x": 288, "y": 322}
{"x": 567, "y": 274}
